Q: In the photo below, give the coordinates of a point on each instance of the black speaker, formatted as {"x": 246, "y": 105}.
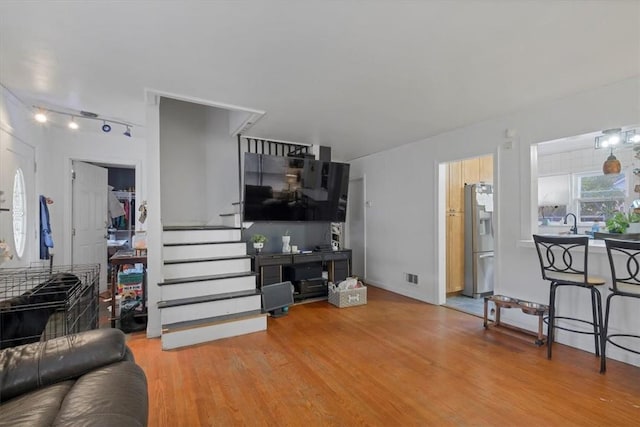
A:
{"x": 312, "y": 286}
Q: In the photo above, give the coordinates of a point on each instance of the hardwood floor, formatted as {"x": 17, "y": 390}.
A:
{"x": 394, "y": 361}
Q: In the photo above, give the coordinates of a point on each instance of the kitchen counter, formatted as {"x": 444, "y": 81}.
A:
{"x": 623, "y": 317}
{"x": 628, "y": 236}
{"x": 596, "y": 245}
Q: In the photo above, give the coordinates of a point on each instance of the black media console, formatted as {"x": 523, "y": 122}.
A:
{"x": 303, "y": 270}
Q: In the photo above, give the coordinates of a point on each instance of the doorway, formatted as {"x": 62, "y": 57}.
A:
{"x": 468, "y": 265}
{"x": 99, "y": 228}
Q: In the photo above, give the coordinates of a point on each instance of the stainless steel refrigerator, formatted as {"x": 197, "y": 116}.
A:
{"x": 478, "y": 240}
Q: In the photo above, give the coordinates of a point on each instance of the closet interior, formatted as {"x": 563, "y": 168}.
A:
{"x": 122, "y": 228}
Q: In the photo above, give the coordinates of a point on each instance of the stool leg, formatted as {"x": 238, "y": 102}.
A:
{"x": 552, "y": 313}
{"x": 599, "y": 312}
{"x": 597, "y": 317}
{"x": 603, "y": 338}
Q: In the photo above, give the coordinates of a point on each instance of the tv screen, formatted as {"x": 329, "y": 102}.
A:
{"x": 278, "y": 188}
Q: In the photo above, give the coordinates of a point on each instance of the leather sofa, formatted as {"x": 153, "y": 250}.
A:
{"x": 84, "y": 379}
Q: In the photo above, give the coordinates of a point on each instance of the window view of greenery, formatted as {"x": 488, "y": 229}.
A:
{"x": 599, "y": 196}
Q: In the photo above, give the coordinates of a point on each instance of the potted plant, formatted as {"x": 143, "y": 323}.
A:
{"x": 618, "y": 223}
{"x": 634, "y": 222}
{"x": 258, "y": 241}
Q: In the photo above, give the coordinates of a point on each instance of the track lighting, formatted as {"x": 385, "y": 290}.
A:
{"x": 41, "y": 116}
{"x": 612, "y": 137}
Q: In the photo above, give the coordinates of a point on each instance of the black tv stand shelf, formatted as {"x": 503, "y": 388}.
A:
{"x": 304, "y": 270}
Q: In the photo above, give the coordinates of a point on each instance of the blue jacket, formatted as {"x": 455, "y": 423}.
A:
{"x": 46, "y": 241}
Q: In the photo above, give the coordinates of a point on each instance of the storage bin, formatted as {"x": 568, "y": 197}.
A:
{"x": 130, "y": 283}
{"x": 125, "y": 278}
{"x": 348, "y": 297}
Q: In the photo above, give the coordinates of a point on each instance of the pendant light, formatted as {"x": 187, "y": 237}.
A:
{"x": 611, "y": 166}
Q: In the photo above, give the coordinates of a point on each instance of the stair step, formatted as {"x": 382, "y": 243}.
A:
{"x": 200, "y": 250}
{"x": 207, "y": 298}
{"x": 190, "y": 324}
{"x": 178, "y": 269}
{"x": 206, "y": 278}
{"x": 224, "y": 242}
{"x": 204, "y": 330}
{"x": 219, "y": 258}
{"x": 198, "y": 227}
{"x": 200, "y": 234}
{"x": 207, "y": 285}
{"x": 231, "y": 219}
{"x": 205, "y": 306}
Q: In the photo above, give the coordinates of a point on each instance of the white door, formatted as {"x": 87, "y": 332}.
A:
{"x": 89, "y": 217}
{"x": 356, "y": 227}
{"x": 20, "y": 212}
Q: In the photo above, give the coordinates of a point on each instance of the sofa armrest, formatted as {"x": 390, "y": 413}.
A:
{"x": 31, "y": 366}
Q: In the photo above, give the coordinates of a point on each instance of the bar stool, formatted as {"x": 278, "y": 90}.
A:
{"x": 563, "y": 261}
{"x": 625, "y": 276}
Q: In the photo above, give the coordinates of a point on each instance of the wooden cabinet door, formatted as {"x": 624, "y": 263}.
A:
{"x": 486, "y": 169}
{"x": 455, "y": 251}
{"x": 455, "y": 187}
{"x": 470, "y": 171}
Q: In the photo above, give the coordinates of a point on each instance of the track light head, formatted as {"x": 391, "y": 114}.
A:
{"x": 127, "y": 132}
{"x": 106, "y": 127}
{"x": 40, "y": 117}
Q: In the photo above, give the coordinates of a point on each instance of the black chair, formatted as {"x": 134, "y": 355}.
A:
{"x": 564, "y": 262}
{"x": 624, "y": 259}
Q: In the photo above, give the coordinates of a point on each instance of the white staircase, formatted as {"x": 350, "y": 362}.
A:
{"x": 209, "y": 291}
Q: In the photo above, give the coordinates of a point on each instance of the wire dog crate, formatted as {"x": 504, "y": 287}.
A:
{"x": 40, "y": 303}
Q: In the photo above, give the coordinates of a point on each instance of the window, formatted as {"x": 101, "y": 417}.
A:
{"x": 593, "y": 196}
{"x": 554, "y": 195}
{"x": 598, "y": 196}
{"x": 551, "y": 213}
{"x": 19, "y": 208}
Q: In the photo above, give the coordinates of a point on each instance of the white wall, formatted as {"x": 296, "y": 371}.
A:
{"x": 16, "y": 122}
{"x": 222, "y": 169}
{"x": 402, "y": 227}
{"x": 198, "y": 160}
{"x": 91, "y": 146}
{"x": 55, "y": 148}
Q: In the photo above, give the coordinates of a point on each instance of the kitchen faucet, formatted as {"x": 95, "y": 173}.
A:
{"x": 574, "y": 229}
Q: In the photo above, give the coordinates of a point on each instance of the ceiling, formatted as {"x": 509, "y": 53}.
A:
{"x": 358, "y": 76}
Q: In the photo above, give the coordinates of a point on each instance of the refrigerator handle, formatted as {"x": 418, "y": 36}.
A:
{"x": 490, "y": 255}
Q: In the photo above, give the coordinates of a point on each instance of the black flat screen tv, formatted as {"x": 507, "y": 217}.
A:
{"x": 278, "y": 188}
